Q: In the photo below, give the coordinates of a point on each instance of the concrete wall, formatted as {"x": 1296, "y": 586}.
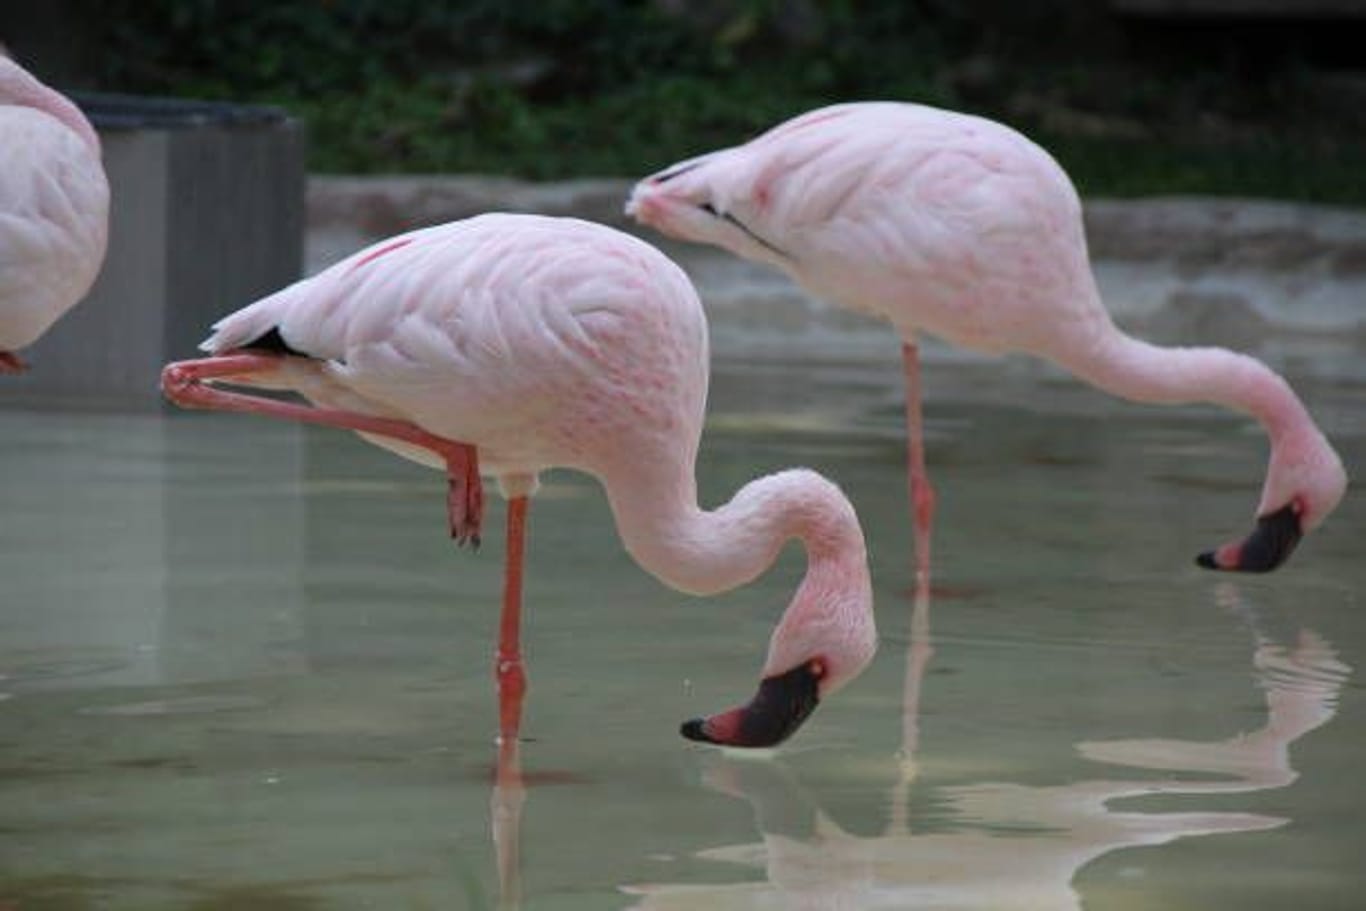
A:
{"x": 204, "y": 219}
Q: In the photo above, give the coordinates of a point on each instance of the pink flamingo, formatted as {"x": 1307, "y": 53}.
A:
{"x": 54, "y": 209}
{"x": 965, "y": 229}
{"x": 539, "y": 342}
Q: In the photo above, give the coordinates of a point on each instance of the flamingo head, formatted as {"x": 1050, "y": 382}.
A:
{"x": 1303, "y": 486}
{"x": 825, "y": 640}
{"x": 709, "y": 200}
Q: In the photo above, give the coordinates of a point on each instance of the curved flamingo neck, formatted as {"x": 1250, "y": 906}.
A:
{"x": 705, "y": 552}
{"x": 830, "y": 618}
{"x": 1142, "y": 372}
{"x": 18, "y": 87}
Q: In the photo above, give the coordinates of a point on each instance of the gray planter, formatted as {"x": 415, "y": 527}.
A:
{"x": 206, "y": 215}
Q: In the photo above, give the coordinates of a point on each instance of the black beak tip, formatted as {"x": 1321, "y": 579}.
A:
{"x": 1269, "y": 545}
{"x": 695, "y": 729}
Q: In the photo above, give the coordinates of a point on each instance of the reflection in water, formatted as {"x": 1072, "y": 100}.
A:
{"x": 505, "y": 819}
{"x": 508, "y": 798}
{"x": 1014, "y": 846}
{"x": 206, "y": 660}
{"x": 919, "y": 651}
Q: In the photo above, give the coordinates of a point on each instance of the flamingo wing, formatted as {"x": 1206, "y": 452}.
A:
{"x": 512, "y": 332}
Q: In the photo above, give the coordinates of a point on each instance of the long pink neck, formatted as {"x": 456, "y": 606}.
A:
{"x": 706, "y": 552}
{"x": 18, "y": 87}
{"x": 703, "y": 552}
{"x": 1141, "y": 372}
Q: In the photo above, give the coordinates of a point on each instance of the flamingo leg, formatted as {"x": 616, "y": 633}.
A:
{"x": 922, "y": 494}
{"x": 508, "y": 668}
{"x": 184, "y": 383}
{"x": 509, "y": 789}
{"x": 921, "y": 649}
{"x": 11, "y": 363}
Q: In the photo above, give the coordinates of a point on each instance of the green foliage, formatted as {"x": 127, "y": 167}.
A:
{"x": 557, "y": 88}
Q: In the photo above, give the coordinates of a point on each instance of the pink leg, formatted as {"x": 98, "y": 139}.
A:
{"x": 509, "y": 788}
{"x": 508, "y": 662}
{"x": 183, "y": 383}
{"x": 922, "y": 494}
{"x": 11, "y": 363}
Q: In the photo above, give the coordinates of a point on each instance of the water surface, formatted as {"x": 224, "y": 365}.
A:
{"x": 241, "y": 666}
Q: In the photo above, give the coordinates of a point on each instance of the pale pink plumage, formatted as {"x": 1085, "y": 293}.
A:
{"x": 965, "y": 229}
{"x": 54, "y": 208}
{"x": 554, "y": 342}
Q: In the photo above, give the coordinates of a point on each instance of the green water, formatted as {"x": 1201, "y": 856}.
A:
{"x": 241, "y": 666}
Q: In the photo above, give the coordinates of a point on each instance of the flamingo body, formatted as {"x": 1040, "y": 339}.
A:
{"x": 54, "y": 208}
{"x": 555, "y": 342}
{"x": 963, "y": 228}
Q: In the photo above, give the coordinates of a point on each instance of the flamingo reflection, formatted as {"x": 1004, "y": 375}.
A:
{"x": 505, "y": 821}
{"x": 1014, "y": 846}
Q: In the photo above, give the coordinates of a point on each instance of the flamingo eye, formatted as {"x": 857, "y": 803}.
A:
{"x": 709, "y": 209}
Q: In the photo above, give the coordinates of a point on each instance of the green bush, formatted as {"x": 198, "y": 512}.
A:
{"x": 567, "y": 87}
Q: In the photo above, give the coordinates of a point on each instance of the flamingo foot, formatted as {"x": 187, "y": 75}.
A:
{"x": 464, "y": 494}
{"x": 783, "y": 702}
{"x": 192, "y": 384}
{"x": 1269, "y": 545}
{"x": 11, "y": 363}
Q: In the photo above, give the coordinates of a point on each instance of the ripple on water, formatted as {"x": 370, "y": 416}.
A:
{"x": 185, "y": 705}
{"x": 58, "y": 669}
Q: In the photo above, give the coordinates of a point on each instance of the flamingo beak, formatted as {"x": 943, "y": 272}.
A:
{"x": 783, "y": 702}
{"x": 1269, "y": 545}
{"x": 645, "y": 204}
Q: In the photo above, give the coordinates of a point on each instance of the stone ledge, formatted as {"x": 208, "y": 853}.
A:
{"x": 1222, "y": 233}
{"x": 381, "y": 206}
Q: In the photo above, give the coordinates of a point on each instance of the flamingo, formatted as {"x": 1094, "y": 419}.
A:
{"x": 54, "y": 209}
{"x": 963, "y": 228}
{"x": 516, "y": 343}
